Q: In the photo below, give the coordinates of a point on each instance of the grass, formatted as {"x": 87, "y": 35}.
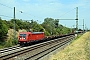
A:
{"x": 79, "y": 49}
{"x": 76, "y": 38}
{"x": 87, "y": 48}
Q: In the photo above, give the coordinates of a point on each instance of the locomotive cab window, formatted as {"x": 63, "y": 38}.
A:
{"x": 22, "y": 35}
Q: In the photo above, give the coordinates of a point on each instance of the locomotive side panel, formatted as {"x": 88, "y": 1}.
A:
{"x": 37, "y": 36}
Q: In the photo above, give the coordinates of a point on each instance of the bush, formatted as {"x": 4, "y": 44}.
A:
{"x": 3, "y": 29}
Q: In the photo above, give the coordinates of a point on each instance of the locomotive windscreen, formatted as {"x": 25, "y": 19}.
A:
{"x": 23, "y": 35}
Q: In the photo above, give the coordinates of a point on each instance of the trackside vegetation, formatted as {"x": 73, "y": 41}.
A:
{"x": 77, "y": 50}
{"x": 50, "y": 27}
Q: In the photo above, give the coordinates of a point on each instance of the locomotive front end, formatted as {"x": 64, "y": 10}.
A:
{"x": 22, "y": 38}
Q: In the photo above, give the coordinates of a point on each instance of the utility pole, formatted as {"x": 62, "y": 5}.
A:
{"x": 86, "y": 28}
{"x": 14, "y": 25}
{"x": 76, "y": 18}
{"x": 51, "y": 26}
{"x": 83, "y": 25}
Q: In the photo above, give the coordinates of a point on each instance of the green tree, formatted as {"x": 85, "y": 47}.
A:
{"x": 66, "y": 30}
{"x": 3, "y": 28}
{"x": 56, "y": 23}
{"x": 48, "y": 25}
{"x": 53, "y": 27}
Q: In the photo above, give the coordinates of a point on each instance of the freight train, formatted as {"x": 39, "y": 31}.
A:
{"x": 25, "y": 38}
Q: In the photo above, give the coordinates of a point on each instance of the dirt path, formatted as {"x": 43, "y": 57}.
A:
{"x": 78, "y": 50}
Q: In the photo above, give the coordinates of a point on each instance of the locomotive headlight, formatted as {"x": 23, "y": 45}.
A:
{"x": 24, "y": 38}
{"x": 20, "y": 38}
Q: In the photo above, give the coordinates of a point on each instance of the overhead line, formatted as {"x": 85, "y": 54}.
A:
{"x": 6, "y": 16}
{"x": 32, "y": 15}
{"x": 17, "y": 10}
{"x": 67, "y": 12}
{"x": 6, "y": 6}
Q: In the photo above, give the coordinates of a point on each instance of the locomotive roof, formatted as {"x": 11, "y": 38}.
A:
{"x": 33, "y": 32}
{"x": 36, "y": 32}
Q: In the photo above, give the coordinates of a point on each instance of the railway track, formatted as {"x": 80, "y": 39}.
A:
{"x": 6, "y": 50}
{"x": 37, "y": 51}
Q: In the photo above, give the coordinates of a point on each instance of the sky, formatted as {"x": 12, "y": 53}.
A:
{"x": 38, "y": 10}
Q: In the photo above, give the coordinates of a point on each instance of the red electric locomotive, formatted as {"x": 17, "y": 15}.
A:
{"x": 28, "y": 37}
